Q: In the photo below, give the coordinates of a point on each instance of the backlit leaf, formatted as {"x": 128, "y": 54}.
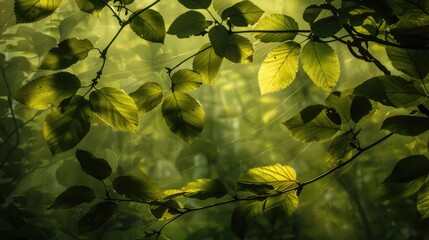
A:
{"x": 196, "y": 4}
{"x": 183, "y": 115}
{"x": 96, "y": 216}
{"x": 96, "y": 167}
{"x": 280, "y": 207}
{"x": 67, "y": 53}
{"x": 27, "y": 11}
{"x": 339, "y": 149}
{"x": 186, "y": 80}
{"x": 207, "y": 63}
{"x": 48, "y": 90}
{"x": 91, "y": 6}
{"x": 148, "y": 96}
{"x": 116, "y": 108}
{"x": 391, "y": 91}
{"x": 188, "y": 24}
{"x": 282, "y": 28}
{"x": 242, "y": 14}
{"x": 423, "y": 202}
{"x": 319, "y": 129}
{"x": 279, "y": 68}
{"x": 166, "y": 210}
{"x": 389, "y": 190}
{"x": 200, "y": 189}
{"x": 406, "y": 125}
{"x": 341, "y": 103}
{"x": 244, "y": 215}
{"x": 64, "y": 130}
{"x": 275, "y": 177}
{"x": 73, "y": 196}
{"x": 361, "y": 107}
{"x": 321, "y": 64}
{"x": 233, "y": 47}
{"x": 326, "y": 27}
{"x": 149, "y": 25}
{"x": 311, "y": 13}
{"x": 408, "y": 169}
{"x": 136, "y": 189}
{"x": 414, "y": 63}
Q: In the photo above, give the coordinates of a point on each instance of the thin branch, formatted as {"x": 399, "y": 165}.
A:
{"x": 169, "y": 70}
{"x": 16, "y": 129}
{"x": 113, "y": 11}
{"x": 272, "y": 31}
{"x": 136, "y": 14}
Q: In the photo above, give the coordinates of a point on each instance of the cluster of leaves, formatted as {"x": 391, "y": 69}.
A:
{"x": 272, "y": 190}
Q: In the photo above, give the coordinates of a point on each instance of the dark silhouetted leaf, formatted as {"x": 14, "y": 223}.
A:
{"x": 389, "y": 190}
{"x": 166, "y": 210}
{"x": 408, "y": 169}
{"x": 116, "y": 108}
{"x": 196, "y": 4}
{"x": 148, "y": 96}
{"x": 64, "y": 130}
{"x": 244, "y": 215}
{"x": 326, "y": 27}
{"x": 414, "y": 63}
{"x": 93, "y": 166}
{"x": 279, "y": 68}
{"x": 27, "y": 11}
{"x": 406, "y": 125}
{"x": 184, "y": 115}
{"x": 207, "y": 63}
{"x": 243, "y": 14}
{"x": 338, "y": 107}
{"x": 67, "y": 53}
{"x": 311, "y": 13}
{"x": 233, "y": 47}
{"x": 136, "y": 189}
{"x": 361, "y": 107}
{"x": 339, "y": 149}
{"x": 276, "y": 22}
{"x": 96, "y": 216}
{"x": 48, "y": 90}
{"x": 321, "y": 64}
{"x": 188, "y": 24}
{"x": 186, "y": 80}
{"x": 149, "y": 25}
{"x": 91, "y": 6}
{"x": 73, "y": 196}
{"x": 200, "y": 189}
{"x": 391, "y": 91}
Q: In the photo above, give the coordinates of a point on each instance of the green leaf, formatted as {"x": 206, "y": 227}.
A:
{"x": 183, "y": 115}
{"x": 196, "y": 4}
{"x": 191, "y": 23}
{"x": 409, "y": 169}
{"x": 406, "y": 125}
{"x": 48, "y": 90}
{"x": 149, "y": 25}
{"x": 186, "y": 80}
{"x": 321, "y": 64}
{"x": 27, "y": 11}
{"x": 286, "y": 26}
{"x": 116, "y": 108}
{"x": 391, "y": 91}
{"x": 275, "y": 177}
{"x": 91, "y": 6}
{"x": 96, "y": 216}
{"x": 279, "y": 68}
{"x": 136, "y": 189}
{"x": 423, "y": 202}
{"x": 67, "y": 53}
{"x": 318, "y": 129}
{"x": 200, "y": 189}
{"x": 340, "y": 103}
{"x": 388, "y": 190}
{"x": 148, "y": 96}
{"x": 244, "y": 215}
{"x": 414, "y": 63}
{"x": 311, "y": 13}
{"x": 361, "y": 107}
{"x": 64, "y": 130}
{"x": 166, "y": 210}
{"x": 207, "y": 63}
{"x": 280, "y": 207}
{"x": 233, "y": 47}
{"x": 326, "y": 27}
{"x": 96, "y": 167}
{"x": 73, "y": 196}
{"x": 242, "y": 14}
{"x": 339, "y": 149}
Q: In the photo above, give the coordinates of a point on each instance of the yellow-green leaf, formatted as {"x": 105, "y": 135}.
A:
{"x": 186, "y": 80}
{"x": 200, "y": 189}
{"x": 137, "y": 189}
{"x": 116, "y": 108}
{"x": 149, "y": 25}
{"x": 184, "y": 115}
{"x": 207, "y": 63}
{"x": 67, "y": 53}
{"x": 280, "y": 207}
{"x": 279, "y": 68}
{"x": 276, "y": 28}
{"x": 244, "y": 215}
{"x": 321, "y": 64}
{"x": 148, "y": 96}
{"x": 48, "y": 90}
{"x": 27, "y": 11}
{"x": 63, "y": 130}
{"x": 243, "y": 14}
{"x": 339, "y": 149}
